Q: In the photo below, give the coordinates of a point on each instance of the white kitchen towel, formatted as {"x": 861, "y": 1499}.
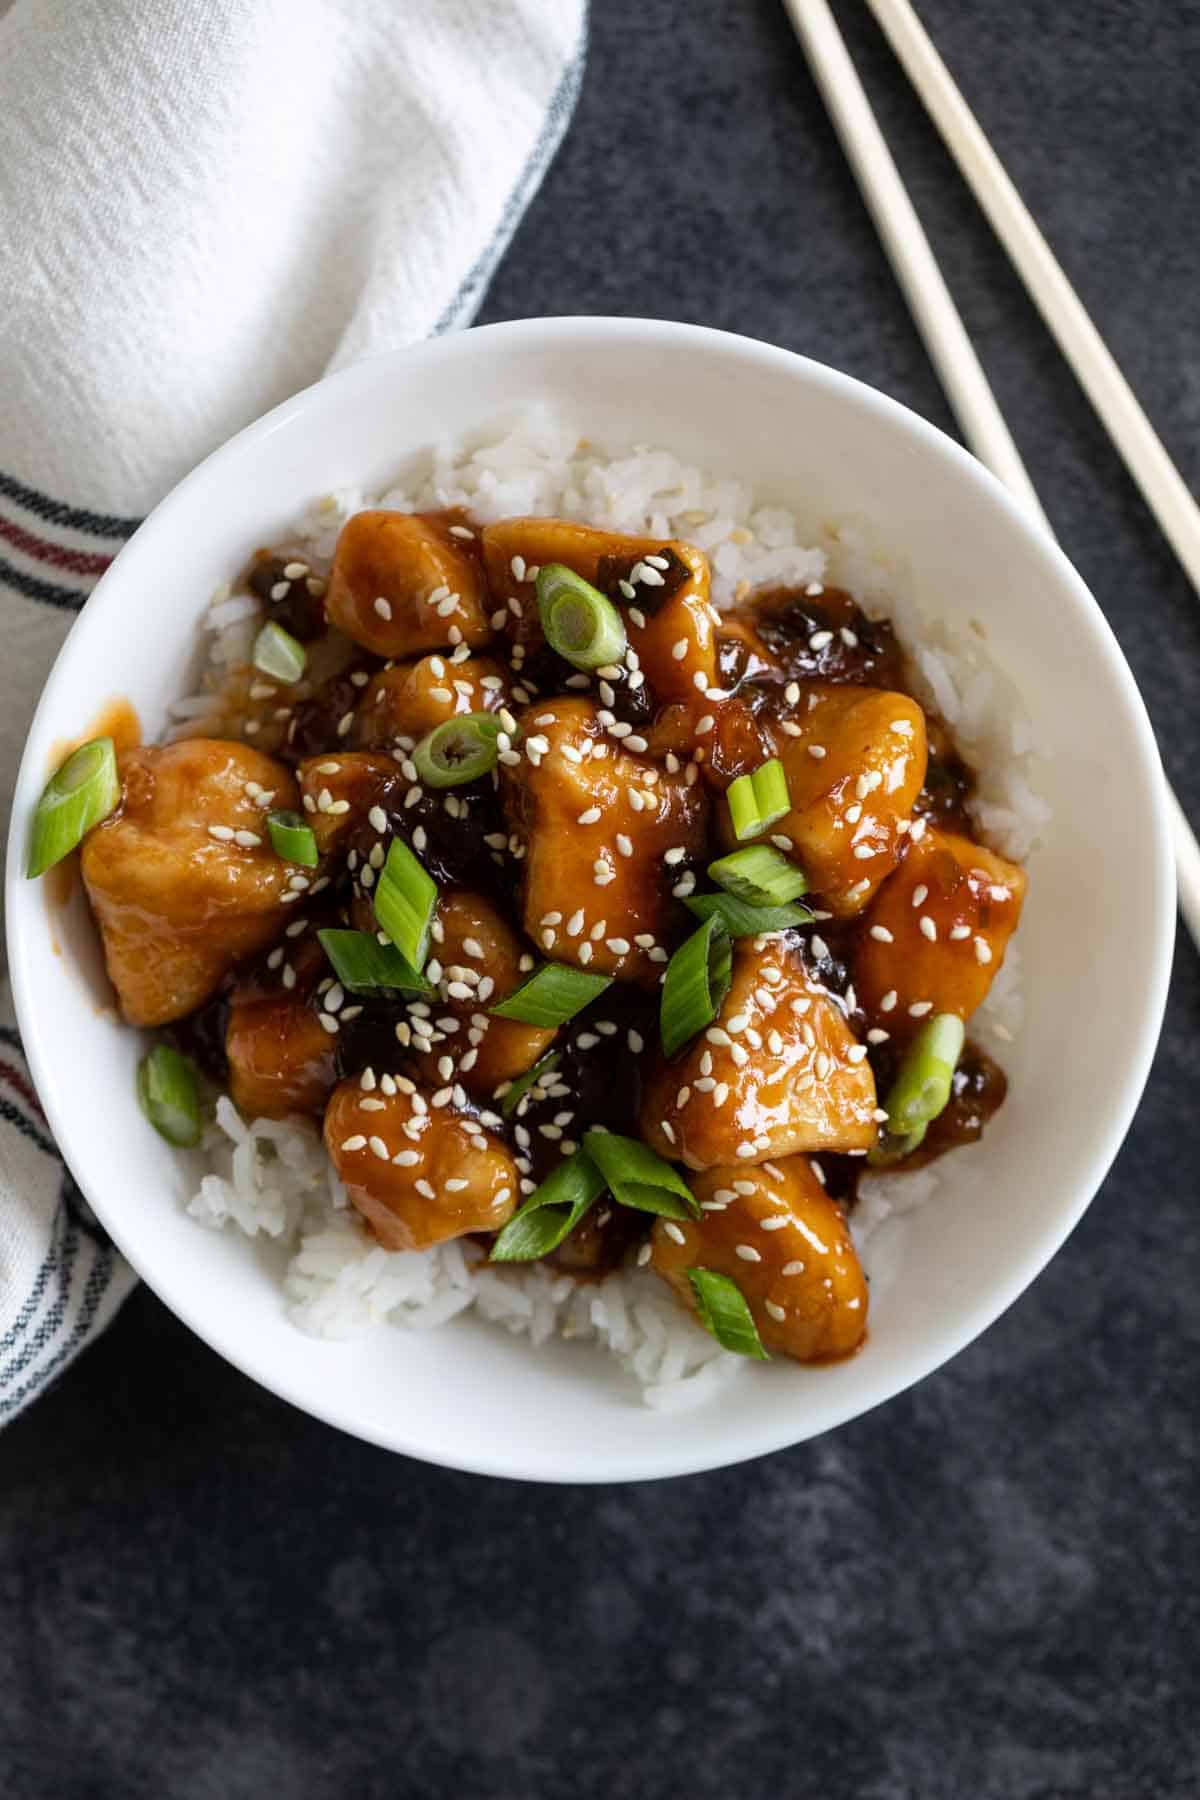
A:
{"x": 202, "y": 209}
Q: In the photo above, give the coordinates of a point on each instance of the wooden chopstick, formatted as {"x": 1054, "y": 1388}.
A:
{"x": 1164, "y": 490}
{"x": 938, "y": 320}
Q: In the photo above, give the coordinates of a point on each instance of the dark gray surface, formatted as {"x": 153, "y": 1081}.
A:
{"x": 987, "y": 1590}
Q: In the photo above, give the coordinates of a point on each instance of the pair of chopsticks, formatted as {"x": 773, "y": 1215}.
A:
{"x": 941, "y": 326}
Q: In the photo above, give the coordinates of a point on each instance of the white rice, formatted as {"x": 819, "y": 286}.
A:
{"x": 274, "y": 1177}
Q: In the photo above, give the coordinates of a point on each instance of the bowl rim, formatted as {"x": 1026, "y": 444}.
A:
{"x": 359, "y": 378}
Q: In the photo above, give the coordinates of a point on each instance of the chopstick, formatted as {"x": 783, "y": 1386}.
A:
{"x": 1163, "y": 488}
{"x": 938, "y": 320}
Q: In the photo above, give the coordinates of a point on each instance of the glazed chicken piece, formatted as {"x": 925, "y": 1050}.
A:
{"x": 664, "y": 601}
{"x": 412, "y": 698}
{"x": 337, "y": 791}
{"x": 182, "y": 878}
{"x": 418, "y": 1174}
{"x": 855, "y": 760}
{"x": 402, "y": 583}
{"x": 935, "y": 937}
{"x": 775, "y": 1232}
{"x": 777, "y": 1073}
{"x": 281, "y": 1058}
{"x": 598, "y": 869}
{"x": 471, "y": 940}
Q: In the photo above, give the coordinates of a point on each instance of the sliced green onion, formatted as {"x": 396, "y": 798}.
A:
{"x": 278, "y": 653}
{"x": 458, "y": 750}
{"x": 292, "y": 839}
{"x": 696, "y": 982}
{"x": 77, "y": 796}
{"x": 759, "y": 875}
{"x": 741, "y": 920}
{"x": 925, "y": 1078}
{"x": 405, "y": 896}
{"x": 517, "y": 1089}
{"x": 580, "y": 622}
{"x": 758, "y": 801}
{"x": 364, "y": 965}
{"x": 723, "y": 1311}
{"x": 169, "y": 1094}
{"x": 552, "y": 995}
{"x": 638, "y": 1178}
{"x": 922, "y": 1088}
{"x": 550, "y": 1212}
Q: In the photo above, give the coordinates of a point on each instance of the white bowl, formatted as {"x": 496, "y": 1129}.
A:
{"x": 1096, "y": 936}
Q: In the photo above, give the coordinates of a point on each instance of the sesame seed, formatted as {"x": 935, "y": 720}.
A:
{"x": 643, "y": 1256}
{"x": 888, "y": 1001}
{"x": 817, "y": 751}
{"x": 919, "y": 894}
{"x": 792, "y": 1268}
{"x": 745, "y": 1150}
{"x": 357, "y": 1142}
{"x": 674, "y": 857}
{"x": 223, "y": 833}
{"x": 983, "y": 950}
{"x": 919, "y": 1008}
{"x": 863, "y": 851}
{"x": 856, "y": 1053}
{"x": 775, "y": 1224}
{"x": 928, "y": 928}
{"x": 700, "y": 681}
{"x": 383, "y": 608}
{"x": 624, "y": 844}
{"x": 720, "y": 1093}
{"x": 820, "y": 639}
{"x": 618, "y": 945}
{"x": 875, "y": 1036}
{"x": 747, "y": 1252}
{"x": 379, "y": 1148}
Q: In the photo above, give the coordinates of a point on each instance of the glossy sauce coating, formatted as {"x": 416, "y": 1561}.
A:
{"x": 608, "y": 804}
{"x": 774, "y": 1230}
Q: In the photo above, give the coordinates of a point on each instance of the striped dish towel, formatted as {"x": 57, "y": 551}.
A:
{"x": 202, "y": 209}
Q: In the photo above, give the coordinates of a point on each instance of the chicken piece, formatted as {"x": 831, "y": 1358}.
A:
{"x": 936, "y": 935}
{"x": 338, "y": 791}
{"x": 777, "y": 1073}
{"x": 281, "y": 1058}
{"x": 598, "y": 871}
{"x": 182, "y": 878}
{"x": 671, "y": 601}
{"x": 410, "y": 699}
{"x": 855, "y": 760}
{"x": 775, "y": 1231}
{"x": 418, "y": 1174}
{"x": 402, "y": 583}
{"x": 476, "y": 942}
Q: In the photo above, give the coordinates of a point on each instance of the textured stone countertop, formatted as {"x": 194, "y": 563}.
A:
{"x": 986, "y": 1591}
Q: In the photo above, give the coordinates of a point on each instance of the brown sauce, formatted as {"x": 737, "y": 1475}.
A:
{"x": 783, "y": 635}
